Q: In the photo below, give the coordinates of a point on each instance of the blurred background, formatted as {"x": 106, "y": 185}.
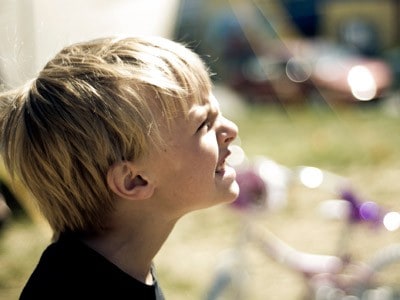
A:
{"x": 309, "y": 82}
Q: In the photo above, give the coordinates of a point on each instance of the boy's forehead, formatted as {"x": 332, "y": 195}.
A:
{"x": 213, "y": 101}
{"x": 209, "y": 103}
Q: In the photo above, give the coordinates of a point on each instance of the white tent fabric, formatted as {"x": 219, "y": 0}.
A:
{"x": 31, "y": 32}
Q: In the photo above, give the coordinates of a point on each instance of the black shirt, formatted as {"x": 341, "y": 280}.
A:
{"x": 68, "y": 269}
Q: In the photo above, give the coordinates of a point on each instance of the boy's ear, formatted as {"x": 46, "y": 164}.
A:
{"x": 125, "y": 180}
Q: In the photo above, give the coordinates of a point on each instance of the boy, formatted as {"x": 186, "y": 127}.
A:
{"x": 117, "y": 139}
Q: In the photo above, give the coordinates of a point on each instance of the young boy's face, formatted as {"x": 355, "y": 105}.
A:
{"x": 191, "y": 172}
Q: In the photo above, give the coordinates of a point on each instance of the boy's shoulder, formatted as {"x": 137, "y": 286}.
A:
{"x": 68, "y": 269}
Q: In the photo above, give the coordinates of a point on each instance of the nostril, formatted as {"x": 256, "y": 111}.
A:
{"x": 230, "y": 139}
{"x": 226, "y": 138}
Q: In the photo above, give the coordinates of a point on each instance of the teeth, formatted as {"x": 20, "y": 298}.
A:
{"x": 220, "y": 167}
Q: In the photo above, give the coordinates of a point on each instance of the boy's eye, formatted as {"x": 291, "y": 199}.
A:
{"x": 205, "y": 124}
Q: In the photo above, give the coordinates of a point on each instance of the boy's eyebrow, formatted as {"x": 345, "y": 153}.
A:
{"x": 211, "y": 107}
{"x": 199, "y": 112}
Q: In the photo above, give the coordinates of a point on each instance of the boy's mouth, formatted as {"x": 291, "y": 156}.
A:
{"x": 222, "y": 163}
{"x": 220, "y": 168}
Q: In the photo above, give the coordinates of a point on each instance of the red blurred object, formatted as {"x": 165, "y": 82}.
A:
{"x": 296, "y": 71}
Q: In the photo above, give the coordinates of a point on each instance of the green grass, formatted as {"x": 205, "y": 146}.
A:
{"x": 21, "y": 243}
{"x": 330, "y": 138}
{"x": 362, "y": 143}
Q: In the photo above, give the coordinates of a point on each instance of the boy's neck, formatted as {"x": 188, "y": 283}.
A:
{"x": 132, "y": 250}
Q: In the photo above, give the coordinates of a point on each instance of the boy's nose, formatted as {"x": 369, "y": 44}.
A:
{"x": 228, "y": 132}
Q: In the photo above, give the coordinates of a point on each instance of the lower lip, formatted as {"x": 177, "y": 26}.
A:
{"x": 227, "y": 172}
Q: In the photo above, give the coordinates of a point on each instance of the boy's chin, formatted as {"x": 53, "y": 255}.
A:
{"x": 233, "y": 193}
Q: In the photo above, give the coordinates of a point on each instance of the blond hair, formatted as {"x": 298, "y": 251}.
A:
{"x": 90, "y": 107}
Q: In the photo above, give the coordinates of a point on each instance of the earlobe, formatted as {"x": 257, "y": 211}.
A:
{"x": 124, "y": 180}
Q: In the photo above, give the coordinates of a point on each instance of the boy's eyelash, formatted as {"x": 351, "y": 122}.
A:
{"x": 202, "y": 125}
{"x": 206, "y": 122}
